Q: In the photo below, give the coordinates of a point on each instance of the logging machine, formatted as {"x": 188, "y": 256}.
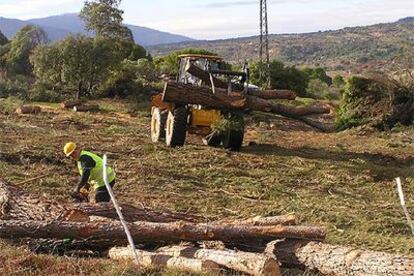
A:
{"x": 171, "y": 121}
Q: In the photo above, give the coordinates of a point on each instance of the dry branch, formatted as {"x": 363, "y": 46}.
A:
{"x": 250, "y": 263}
{"x": 148, "y": 259}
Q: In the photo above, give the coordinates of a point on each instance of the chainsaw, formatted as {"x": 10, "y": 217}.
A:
{"x": 82, "y": 196}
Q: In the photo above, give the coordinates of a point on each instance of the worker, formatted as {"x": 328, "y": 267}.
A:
{"x": 90, "y": 167}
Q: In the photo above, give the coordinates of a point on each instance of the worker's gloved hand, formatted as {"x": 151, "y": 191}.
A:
{"x": 75, "y": 195}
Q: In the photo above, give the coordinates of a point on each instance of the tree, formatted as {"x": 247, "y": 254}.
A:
{"x": 338, "y": 81}
{"x": 76, "y": 65}
{"x": 318, "y": 73}
{"x": 281, "y": 77}
{"x": 22, "y": 46}
{"x": 105, "y": 18}
{"x": 3, "y": 39}
{"x": 318, "y": 89}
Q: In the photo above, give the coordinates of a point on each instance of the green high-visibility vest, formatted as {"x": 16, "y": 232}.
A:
{"x": 96, "y": 178}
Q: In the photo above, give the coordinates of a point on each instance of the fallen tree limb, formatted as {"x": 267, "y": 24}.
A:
{"x": 154, "y": 232}
{"x": 250, "y": 263}
{"x": 340, "y": 260}
{"x": 148, "y": 259}
{"x": 263, "y": 221}
{"x": 188, "y": 94}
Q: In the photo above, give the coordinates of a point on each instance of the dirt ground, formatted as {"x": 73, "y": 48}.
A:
{"x": 343, "y": 181}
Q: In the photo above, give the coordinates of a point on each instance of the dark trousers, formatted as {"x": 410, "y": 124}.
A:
{"x": 102, "y": 194}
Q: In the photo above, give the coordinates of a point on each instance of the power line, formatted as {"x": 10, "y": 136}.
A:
{"x": 264, "y": 43}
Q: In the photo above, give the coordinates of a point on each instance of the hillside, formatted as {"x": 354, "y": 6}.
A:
{"x": 350, "y": 49}
{"x": 57, "y": 27}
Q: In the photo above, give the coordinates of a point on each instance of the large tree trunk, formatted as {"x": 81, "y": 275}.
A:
{"x": 250, "y": 263}
{"x": 340, "y": 260}
{"x": 148, "y": 259}
{"x": 132, "y": 213}
{"x": 188, "y": 94}
{"x": 154, "y": 232}
{"x": 218, "y": 83}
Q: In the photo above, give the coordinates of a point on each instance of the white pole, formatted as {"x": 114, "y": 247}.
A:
{"x": 402, "y": 201}
{"x": 118, "y": 210}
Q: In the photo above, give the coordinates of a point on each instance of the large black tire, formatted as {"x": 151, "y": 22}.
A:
{"x": 158, "y": 120}
{"x": 233, "y": 139}
{"x": 176, "y": 127}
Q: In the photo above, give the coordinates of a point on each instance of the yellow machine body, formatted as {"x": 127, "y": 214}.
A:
{"x": 204, "y": 117}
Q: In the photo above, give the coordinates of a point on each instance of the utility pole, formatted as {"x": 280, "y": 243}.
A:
{"x": 264, "y": 43}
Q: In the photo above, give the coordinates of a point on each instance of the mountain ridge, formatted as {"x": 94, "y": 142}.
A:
{"x": 59, "y": 26}
{"x": 378, "y": 47}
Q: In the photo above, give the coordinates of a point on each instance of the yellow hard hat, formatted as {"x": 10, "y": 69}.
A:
{"x": 69, "y": 148}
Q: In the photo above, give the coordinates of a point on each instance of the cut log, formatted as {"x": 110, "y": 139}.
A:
{"x": 28, "y": 109}
{"x": 86, "y": 108}
{"x": 154, "y": 232}
{"x": 250, "y": 263}
{"x": 341, "y": 260}
{"x": 263, "y": 221}
{"x": 148, "y": 259}
{"x": 70, "y": 104}
{"x": 218, "y": 83}
{"x": 132, "y": 213}
{"x": 188, "y": 94}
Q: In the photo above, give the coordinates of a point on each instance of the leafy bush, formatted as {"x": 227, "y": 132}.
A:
{"x": 381, "y": 101}
{"x": 318, "y": 89}
{"x": 18, "y": 87}
{"x": 281, "y": 77}
{"x": 9, "y": 105}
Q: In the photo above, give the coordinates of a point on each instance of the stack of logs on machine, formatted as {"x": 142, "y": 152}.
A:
{"x": 256, "y": 246}
{"x": 218, "y": 96}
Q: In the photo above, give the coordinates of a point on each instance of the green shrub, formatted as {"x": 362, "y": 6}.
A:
{"x": 9, "y": 105}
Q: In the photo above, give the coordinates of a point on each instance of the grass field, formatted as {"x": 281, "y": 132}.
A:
{"x": 343, "y": 181}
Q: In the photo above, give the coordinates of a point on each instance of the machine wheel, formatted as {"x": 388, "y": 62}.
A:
{"x": 176, "y": 127}
{"x": 233, "y": 139}
{"x": 158, "y": 120}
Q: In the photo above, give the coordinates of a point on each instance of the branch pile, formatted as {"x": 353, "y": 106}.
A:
{"x": 42, "y": 221}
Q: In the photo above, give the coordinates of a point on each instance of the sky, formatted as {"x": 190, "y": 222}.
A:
{"x": 217, "y": 19}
